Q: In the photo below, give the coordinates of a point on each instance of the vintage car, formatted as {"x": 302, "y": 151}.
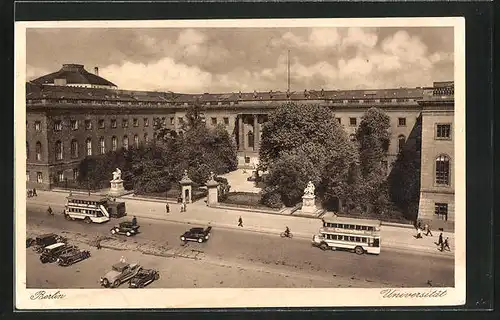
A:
{"x": 196, "y": 234}
{"x": 40, "y": 242}
{"x": 72, "y": 257}
{"x": 143, "y": 278}
{"x": 51, "y": 253}
{"x": 127, "y": 228}
{"x": 120, "y": 272}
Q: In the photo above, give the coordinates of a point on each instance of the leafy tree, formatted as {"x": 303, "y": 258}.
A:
{"x": 404, "y": 180}
{"x": 302, "y": 143}
{"x": 373, "y": 138}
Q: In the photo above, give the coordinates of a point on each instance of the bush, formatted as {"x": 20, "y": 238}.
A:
{"x": 243, "y": 198}
{"x": 272, "y": 200}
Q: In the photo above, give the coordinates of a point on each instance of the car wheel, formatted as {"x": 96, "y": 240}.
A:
{"x": 128, "y": 234}
{"x": 157, "y": 276}
{"x": 113, "y": 231}
{"x": 200, "y": 240}
{"x": 116, "y": 284}
{"x": 323, "y": 246}
{"x": 359, "y": 250}
{"x": 87, "y": 220}
{"x": 105, "y": 283}
{"x": 67, "y": 217}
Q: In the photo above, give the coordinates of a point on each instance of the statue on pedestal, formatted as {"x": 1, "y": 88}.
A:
{"x": 117, "y": 175}
{"x": 309, "y": 190}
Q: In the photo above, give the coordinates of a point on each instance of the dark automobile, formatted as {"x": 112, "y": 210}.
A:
{"x": 143, "y": 278}
{"x": 72, "y": 257}
{"x": 116, "y": 209}
{"x": 196, "y": 234}
{"x": 51, "y": 253}
{"x": 119, "y": 273}
{"x": 127, "y": 228}
{"x": 44, "y": 240}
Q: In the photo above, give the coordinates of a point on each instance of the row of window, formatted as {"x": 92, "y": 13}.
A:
{"x": 345, "y": 238}
{"x": 354, "y": 121}
{"x": 348, "y": 226}
{"x": 75, "y": 147}
{"x": 441, "y": 210}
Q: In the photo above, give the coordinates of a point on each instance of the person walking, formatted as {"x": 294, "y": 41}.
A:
{"x": 240, "y": 222}
{"x": 428, "y": 230}
{"x": 134, "y": 221}
{"x": 167, "y": 208}
{"x": 440, "y": 240}
{"x": 34, "y": 192}
{"x": 419, "y": 233}
{"x": 446, "y": 244}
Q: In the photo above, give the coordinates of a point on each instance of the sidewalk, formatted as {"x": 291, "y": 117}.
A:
{"x": 397, "y": 238}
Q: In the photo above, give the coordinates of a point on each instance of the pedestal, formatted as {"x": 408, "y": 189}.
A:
{"x": 117, "y": 188}
{"x": 309, "y": 204}
{"x": 213, "y": 194}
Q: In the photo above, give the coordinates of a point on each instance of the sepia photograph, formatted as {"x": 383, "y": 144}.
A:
{"x": 240, "y": 163}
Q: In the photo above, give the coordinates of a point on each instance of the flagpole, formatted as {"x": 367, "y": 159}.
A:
{"x": 288, "y": 70}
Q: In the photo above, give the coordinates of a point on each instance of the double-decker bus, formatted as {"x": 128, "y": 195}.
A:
{"x": 358, "y": 235}
{"x": 89, "y": 208}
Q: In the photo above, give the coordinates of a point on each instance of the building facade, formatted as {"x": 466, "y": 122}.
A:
{"x": 72, "y": 113}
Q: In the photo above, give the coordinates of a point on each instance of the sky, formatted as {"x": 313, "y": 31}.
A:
{"x": 222, "y": 60}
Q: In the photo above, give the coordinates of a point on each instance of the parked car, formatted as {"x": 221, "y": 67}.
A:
{"x": 51, "y": 253}
{"x": 72, "y": 257}
{"x": 116, "y": 209}
{"x": 126, "y": 228}
{"x": 120, "y": 272}
{"x": 143, "y": 278}
{"x": 44, "y": 240}
{"x": 196, "y": 234}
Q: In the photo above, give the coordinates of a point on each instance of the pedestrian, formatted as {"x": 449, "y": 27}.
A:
{"x": 185, "y": 207}
{"x": 134, "y": 221}
{"x": 440, "y": 240}
{"x": 419, "y": 224}
{"x": 240, "y": 222}
{"x": 34, "y": 192}
{"x": 167, "y": 208}
{"x": 98, "y": 243}
{"x": 419, "y": 233}
{"x": 122, "y": 259}
{"x": 428, "y": 229}
{"x": 446, "y": 244}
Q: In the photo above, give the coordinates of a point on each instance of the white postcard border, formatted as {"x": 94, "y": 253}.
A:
{"x": 239, "y": 298}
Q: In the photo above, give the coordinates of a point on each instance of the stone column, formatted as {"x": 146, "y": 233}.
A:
{"x": 212, "y": 196}
{"x": 241, "y": 137}
{"x": 256, "y": 132}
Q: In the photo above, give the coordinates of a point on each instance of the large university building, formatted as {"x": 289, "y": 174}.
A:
{"x": 73, "y": 113}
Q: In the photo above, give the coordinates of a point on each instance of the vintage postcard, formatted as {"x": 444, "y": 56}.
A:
{"x": 240, "y": 163}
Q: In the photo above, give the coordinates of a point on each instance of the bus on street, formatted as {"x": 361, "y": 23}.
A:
{"x": 89, "y": 208}
{"x": 357, "y": 235}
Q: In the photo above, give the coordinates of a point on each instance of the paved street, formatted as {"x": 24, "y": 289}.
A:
{"x": 258, "y": 250}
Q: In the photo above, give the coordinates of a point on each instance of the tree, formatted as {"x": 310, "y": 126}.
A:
{"x": 373, "y": 138}
{"x": 404, "y": 180}
{"x": 302, "y": 143}
{"x": 195, "y": 116}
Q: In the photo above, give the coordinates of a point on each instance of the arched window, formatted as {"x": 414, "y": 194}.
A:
{"x": 102, "y": 146}
{"x": 125, "y": 142}
{"x": 114, "y": 143}
{"x": 59, "y": 150}
{"x": 74, "y": 148}
{"x": 443, "y": 170}
{"x": 88, "y": 144}
{"x": 136, "y": 141}
{"x": 146, "y": 138}
{"x": 38, "y": 151}
{"x": 27, "y": 150}
{"x": 401, "y": 142}
{"x": 250, "y": 139}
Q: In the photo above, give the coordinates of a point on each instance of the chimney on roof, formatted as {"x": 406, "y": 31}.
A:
{"x": 96, "y": 71}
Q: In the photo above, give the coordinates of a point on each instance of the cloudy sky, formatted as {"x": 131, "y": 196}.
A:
{"x": 247, "y": 59}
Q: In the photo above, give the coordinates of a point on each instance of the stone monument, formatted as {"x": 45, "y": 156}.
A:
{"x": 186, "y": 186}
{"x": 117, "y": 188}
{"x": 309, "y": 199}
{"x": 213, "y": 192}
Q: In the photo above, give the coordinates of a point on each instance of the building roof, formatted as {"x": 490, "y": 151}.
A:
{"x": 74, "y": 74}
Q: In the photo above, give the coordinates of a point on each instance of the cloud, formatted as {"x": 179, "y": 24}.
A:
{"x": 164, "y": 74}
